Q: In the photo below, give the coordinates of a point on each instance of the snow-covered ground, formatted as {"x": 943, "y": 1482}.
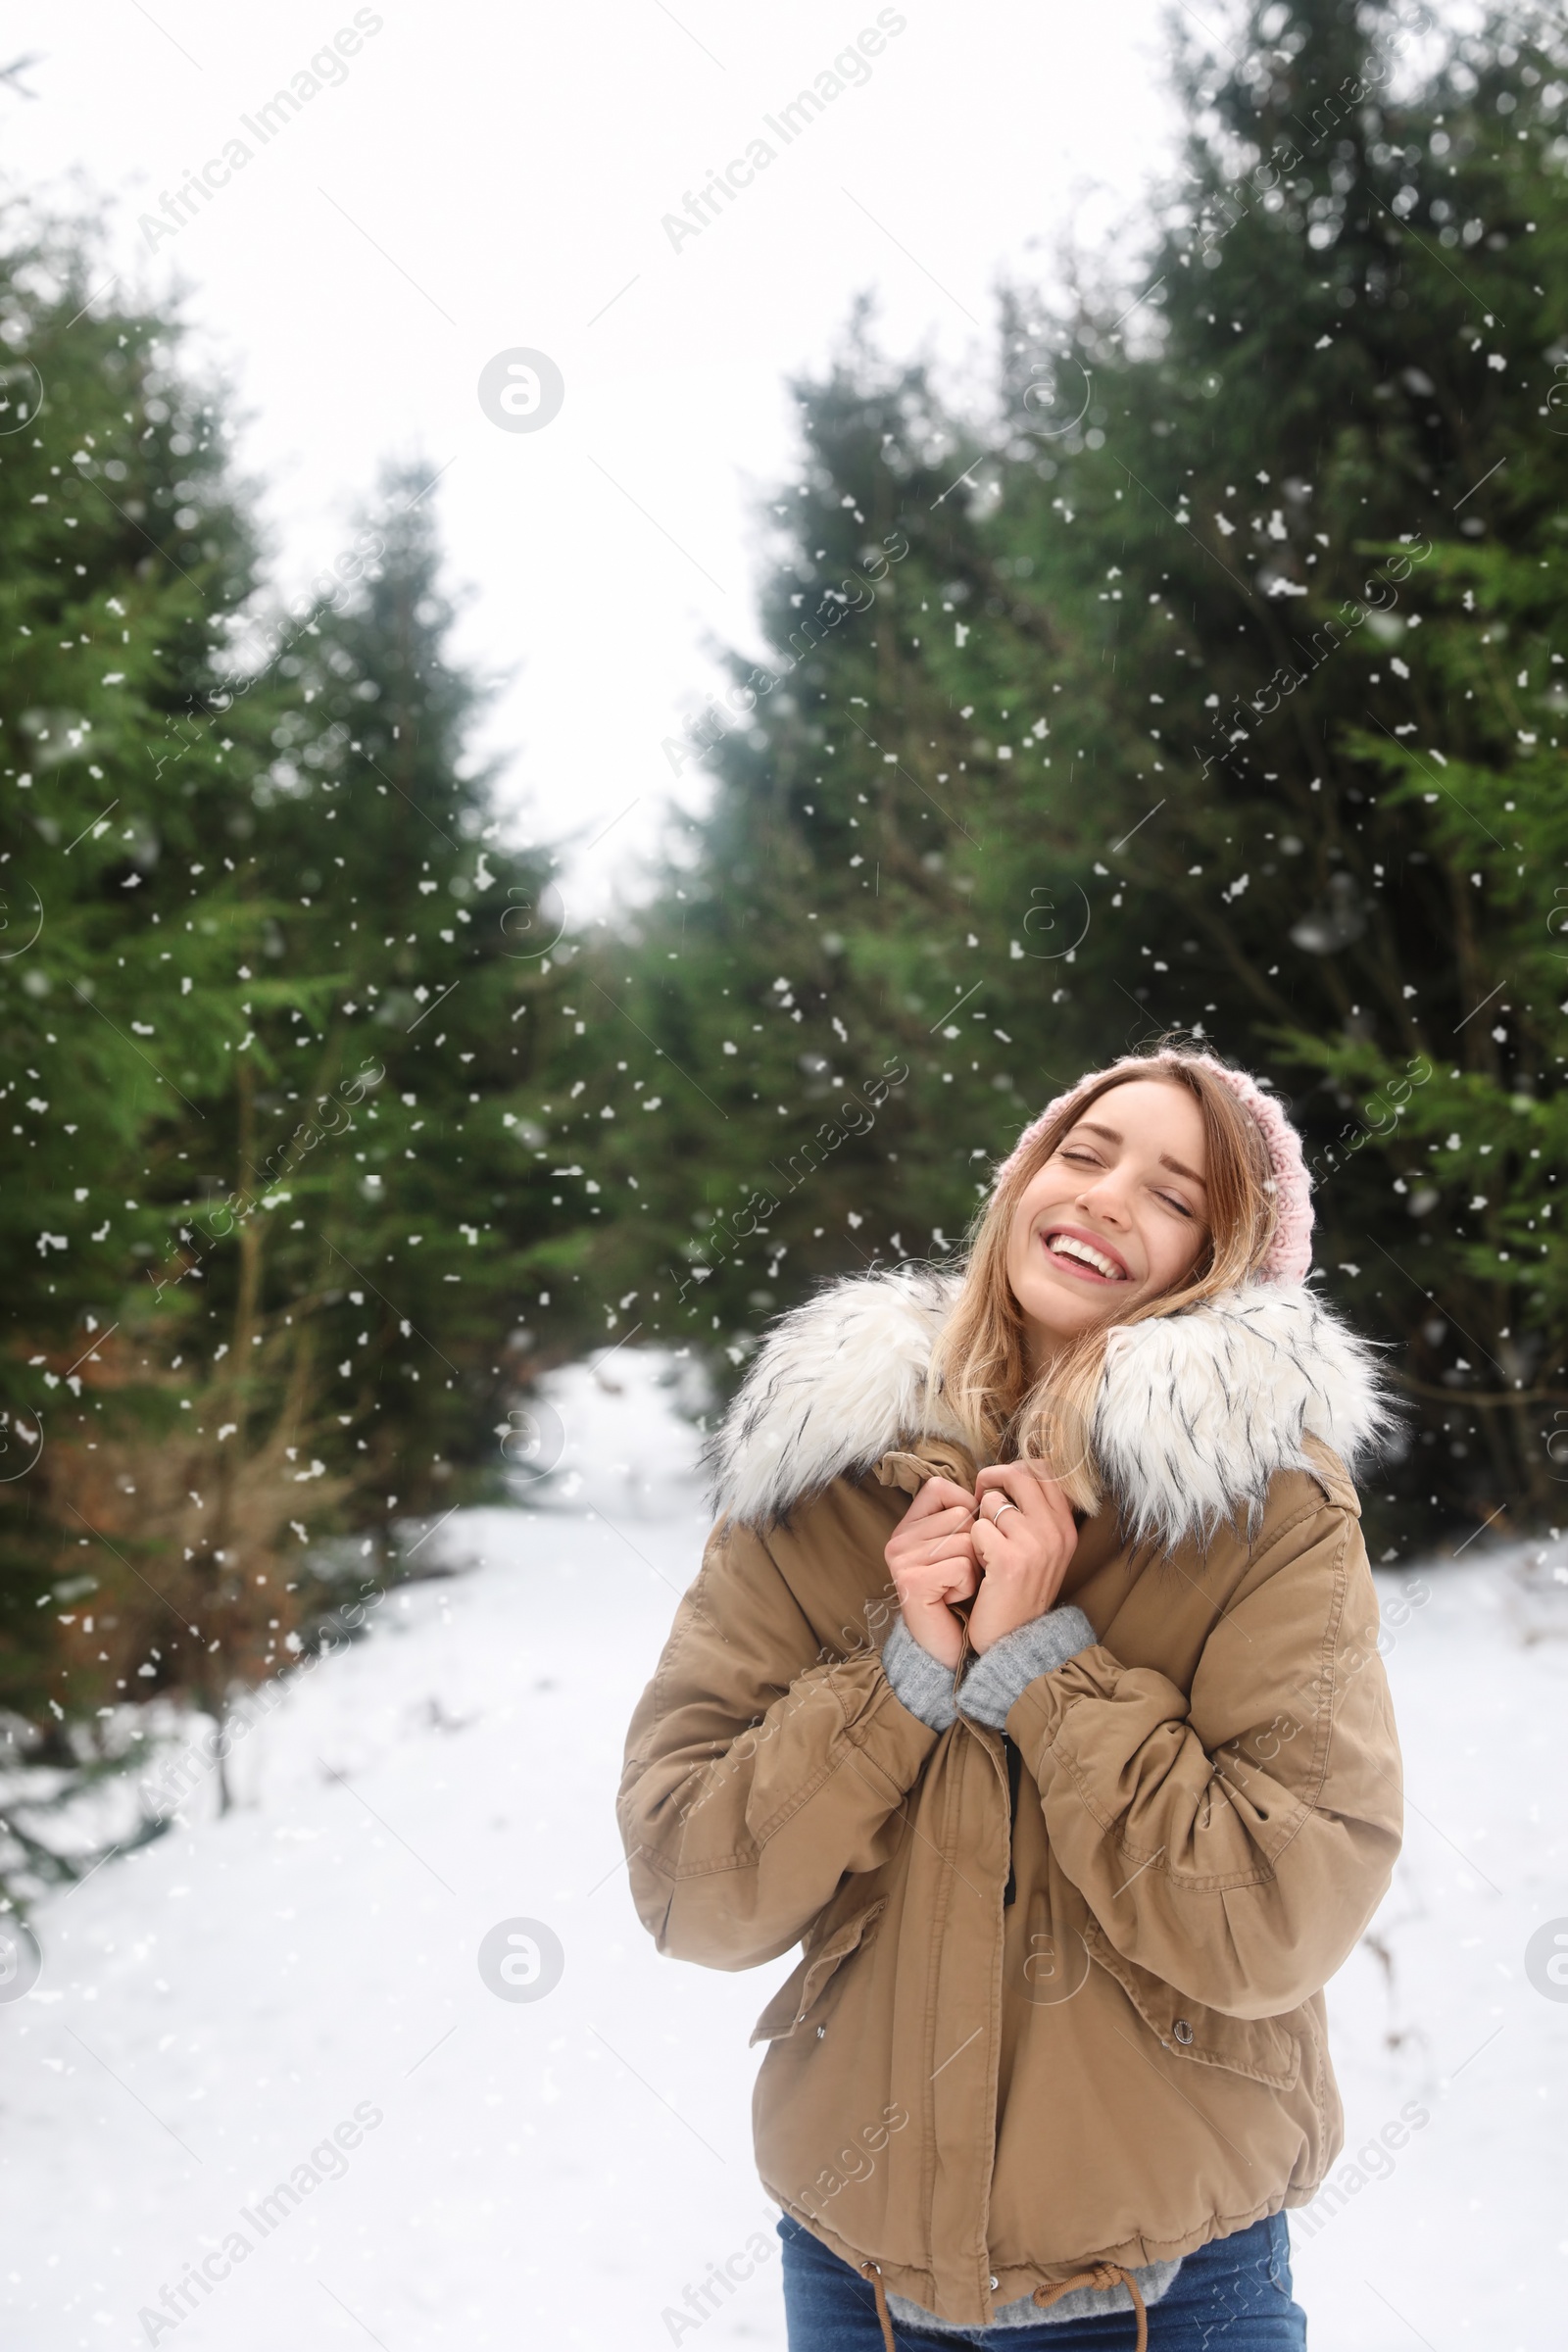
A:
{"x": 294, "y": 1993}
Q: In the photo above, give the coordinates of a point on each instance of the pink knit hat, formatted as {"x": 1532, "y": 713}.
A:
{"x": 1290, "y": 1253}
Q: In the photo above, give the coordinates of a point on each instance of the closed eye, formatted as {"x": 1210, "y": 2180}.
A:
{"x": 1085, "y": 1156}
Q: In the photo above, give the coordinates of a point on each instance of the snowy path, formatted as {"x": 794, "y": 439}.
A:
{"x": 557, "y": 2172}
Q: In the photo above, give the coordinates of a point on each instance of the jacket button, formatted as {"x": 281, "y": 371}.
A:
{"x": 1181, "y": 2030}
{"x": 995, "y": 2284}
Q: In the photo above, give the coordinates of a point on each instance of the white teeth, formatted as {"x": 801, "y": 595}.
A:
{"x": 1066, "y": 1245}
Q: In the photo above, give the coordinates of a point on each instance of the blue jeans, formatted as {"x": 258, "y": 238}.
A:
{"x": 1233, "y": 2295}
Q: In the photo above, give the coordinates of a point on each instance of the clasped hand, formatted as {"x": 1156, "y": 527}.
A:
{"x": 1006, "y": 1544}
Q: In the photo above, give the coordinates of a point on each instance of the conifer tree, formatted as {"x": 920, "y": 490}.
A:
{"x": 1159, "y": 728}
{"x": 118, "y": 543}
{"x": 281, "y": 1245}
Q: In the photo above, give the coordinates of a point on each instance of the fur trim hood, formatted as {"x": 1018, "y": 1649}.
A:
{"x": 1197, "y": 1411}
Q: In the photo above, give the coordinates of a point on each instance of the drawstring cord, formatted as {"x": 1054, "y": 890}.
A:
{"x": 873, "y": 2272}
{"x": 1101, "y": 2274}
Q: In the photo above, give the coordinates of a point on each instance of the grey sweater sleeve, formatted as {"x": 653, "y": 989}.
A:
{"x": 1002, "y": 1673}
{"x": 919, "y": 1680}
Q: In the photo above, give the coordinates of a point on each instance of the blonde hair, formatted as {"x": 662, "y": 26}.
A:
{"x": 981, "y": 1362}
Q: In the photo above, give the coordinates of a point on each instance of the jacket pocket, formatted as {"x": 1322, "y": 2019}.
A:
{"x": 799, "y": 1991}
{"x": 1262, "y": 2048}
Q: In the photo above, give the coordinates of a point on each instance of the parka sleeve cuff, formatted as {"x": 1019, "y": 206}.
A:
{"x": 1041, "y": 1712}
{"x": 1001, "y": 1675}
{"x": 920, "y": 1682}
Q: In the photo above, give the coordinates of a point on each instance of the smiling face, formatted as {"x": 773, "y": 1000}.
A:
{"x": 1119, "y": 1216}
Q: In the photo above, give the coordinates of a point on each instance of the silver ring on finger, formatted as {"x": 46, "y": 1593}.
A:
{"x": 1000, "y": 1507}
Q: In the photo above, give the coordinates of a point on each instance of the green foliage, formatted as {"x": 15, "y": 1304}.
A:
{"x": 1214, "y": 693}
{"x": 275, "y": 1241}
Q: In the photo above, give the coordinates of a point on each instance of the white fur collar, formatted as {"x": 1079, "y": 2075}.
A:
{"x": 1196, "y": 1413}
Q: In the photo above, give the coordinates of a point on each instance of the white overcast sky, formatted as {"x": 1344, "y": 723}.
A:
{"x": 487, "y": 177}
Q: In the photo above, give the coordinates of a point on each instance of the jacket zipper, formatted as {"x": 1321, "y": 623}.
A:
{"x": 1014, "y": 1756}
{"x": 1014, "y": 1771}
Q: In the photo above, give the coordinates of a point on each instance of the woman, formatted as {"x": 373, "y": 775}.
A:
{"x": 1030, "y": 1682}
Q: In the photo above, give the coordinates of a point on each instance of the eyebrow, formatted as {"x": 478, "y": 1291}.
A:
{"x": 1092, "y": 1127}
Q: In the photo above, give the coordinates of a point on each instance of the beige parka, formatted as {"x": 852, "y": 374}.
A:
{"x": 1059, "y": 2001}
